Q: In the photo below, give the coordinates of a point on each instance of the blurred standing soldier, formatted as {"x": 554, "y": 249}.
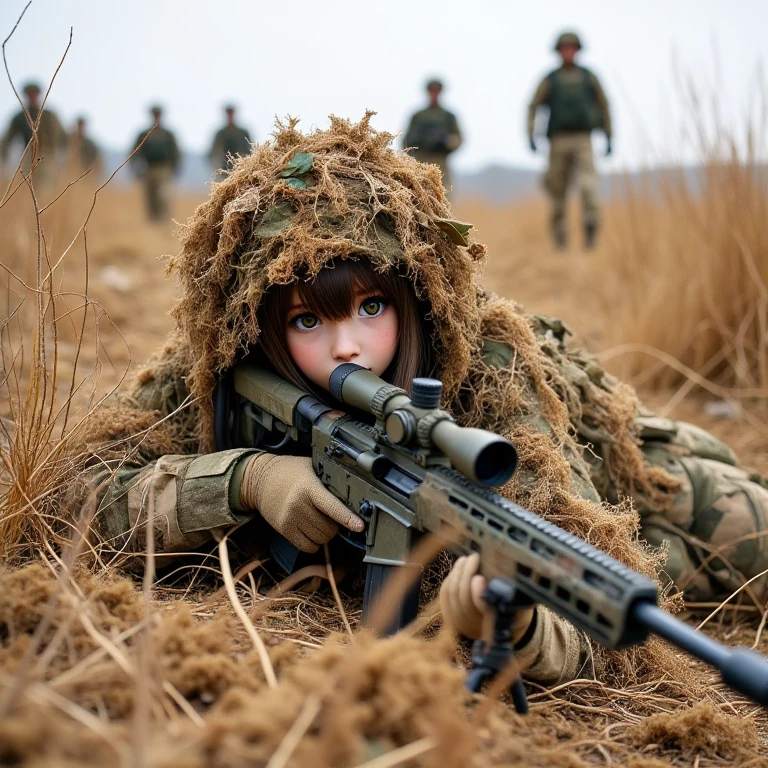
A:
{"x": 51, "y": 138}
{"x": 433, "y": 134}
{"x": 577, "y": 106}
{"x": 156, "y": 161}
{"x": 232, "y": 140}
{"x": 84, "y": 154}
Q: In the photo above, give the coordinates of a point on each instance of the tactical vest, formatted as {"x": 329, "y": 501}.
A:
{"x": 573, "y": 104}
{"x": 234, "y": 141}
{"x": 430, "y": 131}
{"x": 157, "y": 148}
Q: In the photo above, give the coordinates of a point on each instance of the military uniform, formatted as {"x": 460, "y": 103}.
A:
{"x": 717, "y": 527}
{"x": 229, "y": 140}
{"x": 52, "y": 142}
{"x": 429, "y": 139}
{"x": 156, "y": 161}
{"x": 85, "y": 155}
{"x": 577, "y": 105}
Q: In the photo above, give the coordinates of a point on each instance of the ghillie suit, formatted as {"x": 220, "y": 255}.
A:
{"x": 296, "y": 203}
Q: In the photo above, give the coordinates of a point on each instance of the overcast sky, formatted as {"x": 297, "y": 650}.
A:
{"x": 315, "y": 57}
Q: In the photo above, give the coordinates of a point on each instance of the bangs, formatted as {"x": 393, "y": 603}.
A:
{"x": 331, "y": 294}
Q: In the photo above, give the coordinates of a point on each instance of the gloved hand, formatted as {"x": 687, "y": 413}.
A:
{"x": 291, "y": 498}
{"x": 532, "y": 143}
{"x": 462, "y": 605}
{"x": 608, "y": 147}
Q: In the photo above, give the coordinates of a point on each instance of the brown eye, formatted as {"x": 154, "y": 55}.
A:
{"x": 372, "y": 307}
{"x": 306, "y": 322}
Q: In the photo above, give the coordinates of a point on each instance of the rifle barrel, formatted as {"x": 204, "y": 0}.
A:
{"x": 743, "y": 669}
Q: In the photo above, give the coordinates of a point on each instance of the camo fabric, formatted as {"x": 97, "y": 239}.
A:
{"x": 229, "y": 140}
{"x": 429, "y": 134}
{"x": 51, "y": 137}
{"x": 571, "y": 162}
{"x": 187, "y": 498}
{"x": 156, "y": 159}
{"x": 717, "y": 526}
{"x": 716, "y": 529}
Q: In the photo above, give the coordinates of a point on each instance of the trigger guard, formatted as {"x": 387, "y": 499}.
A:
{"x": 356, "y": 540}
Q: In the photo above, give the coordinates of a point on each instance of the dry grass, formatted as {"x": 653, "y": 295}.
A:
{"x": 689, "y": 268}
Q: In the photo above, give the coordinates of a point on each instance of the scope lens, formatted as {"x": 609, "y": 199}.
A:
{"x": 495, "y": 464}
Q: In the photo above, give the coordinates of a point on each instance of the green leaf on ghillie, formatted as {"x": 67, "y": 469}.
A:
{"x": 296, "y": 183}
{"x": 456, "y": 230}
{"x": 299, "y": 164}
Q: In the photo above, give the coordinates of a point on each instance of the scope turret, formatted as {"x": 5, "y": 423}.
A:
{"x": 482, "y": 456}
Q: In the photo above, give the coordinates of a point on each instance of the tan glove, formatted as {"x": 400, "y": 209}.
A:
{"x": 462, "y": 604}
{"x": 291, "y": 498}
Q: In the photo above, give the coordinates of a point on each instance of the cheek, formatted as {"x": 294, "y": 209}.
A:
{"x": 303, "y": 351}
{"x": 389, "y": 339}
{"x": 384, "y": 340}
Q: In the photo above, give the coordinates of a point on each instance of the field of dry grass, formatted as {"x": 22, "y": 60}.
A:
{"x": 99, "y": 670}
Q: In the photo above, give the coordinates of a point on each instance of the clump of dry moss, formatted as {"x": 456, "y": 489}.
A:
{"x": 699, "y": 730}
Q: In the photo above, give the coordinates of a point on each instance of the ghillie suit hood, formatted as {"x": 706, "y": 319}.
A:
{"x": 299, "y": 201}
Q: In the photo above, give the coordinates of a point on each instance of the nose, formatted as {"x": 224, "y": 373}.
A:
{"x": 345, "y": 346}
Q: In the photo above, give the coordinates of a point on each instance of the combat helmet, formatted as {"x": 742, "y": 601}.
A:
{"x": 568, "y": 38}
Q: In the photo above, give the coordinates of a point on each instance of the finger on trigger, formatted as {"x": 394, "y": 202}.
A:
{"x": 329, "y": 505}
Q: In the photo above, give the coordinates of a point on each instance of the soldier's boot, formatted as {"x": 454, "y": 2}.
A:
{"x": 590, "y": 234}
{"x": 558, "y": 233}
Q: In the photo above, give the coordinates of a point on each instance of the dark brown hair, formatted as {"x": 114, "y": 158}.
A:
{"x": 331, "y": 294}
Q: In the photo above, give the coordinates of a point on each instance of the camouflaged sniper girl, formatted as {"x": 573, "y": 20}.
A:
{"x": 321, "y": 242}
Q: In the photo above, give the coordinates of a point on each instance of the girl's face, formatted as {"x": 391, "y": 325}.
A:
{"x": 367, "y": 337}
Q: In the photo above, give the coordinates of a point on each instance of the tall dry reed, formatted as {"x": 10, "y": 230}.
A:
{"x": 684, "y": 273}
{"x": 46, "y": 320}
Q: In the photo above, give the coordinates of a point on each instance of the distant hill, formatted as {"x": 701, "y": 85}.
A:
{"x": 496, "y": 183}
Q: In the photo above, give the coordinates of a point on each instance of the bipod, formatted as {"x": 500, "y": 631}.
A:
{"x": 488, "y": 660}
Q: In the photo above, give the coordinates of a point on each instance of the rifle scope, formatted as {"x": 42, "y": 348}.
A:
{"x": 417, "y": 422}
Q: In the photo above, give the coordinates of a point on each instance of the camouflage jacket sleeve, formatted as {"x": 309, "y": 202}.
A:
{"x": 602, "y": 103}
{"x": 455, "y": 130}
{"x": 556, "y": 651}
{"x": 539, "y": 99}
{"x": 146, "y": 465}
{"x": 185, "y": 496}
